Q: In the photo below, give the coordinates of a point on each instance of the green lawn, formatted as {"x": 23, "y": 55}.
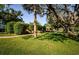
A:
{"x": 5, "y": 34}
{"x": 41, "y": 45}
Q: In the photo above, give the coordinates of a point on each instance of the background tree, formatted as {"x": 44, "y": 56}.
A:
{"x": 36, "y": 9}
{"x": 8, "y": 15}
{"x": 12, "y": 15}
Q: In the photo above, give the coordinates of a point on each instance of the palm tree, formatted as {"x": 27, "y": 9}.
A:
{"x": 36, "y": 9}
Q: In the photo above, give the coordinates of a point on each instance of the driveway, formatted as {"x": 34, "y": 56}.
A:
{"x": 14, "y": 36}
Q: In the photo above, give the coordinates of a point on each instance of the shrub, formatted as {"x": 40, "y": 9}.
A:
{"x": 9, "y": 27}
{"x": 31, "y": 27}
{"x": 18, "y": 28}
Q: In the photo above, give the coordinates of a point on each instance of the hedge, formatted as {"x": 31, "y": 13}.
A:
{"x": 18, "y": 27}
{"x": 9, "y": 28}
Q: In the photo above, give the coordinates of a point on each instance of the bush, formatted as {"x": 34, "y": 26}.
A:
{"x": 9, "y": 27}
{"x": 31, "y": 27}
{"x": 53, "y": 36}
{"x": 18, "y": 28}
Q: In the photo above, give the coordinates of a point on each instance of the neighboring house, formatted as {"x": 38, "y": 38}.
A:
{"x": 2, "y": 26}
{"x": 49, "y": 28}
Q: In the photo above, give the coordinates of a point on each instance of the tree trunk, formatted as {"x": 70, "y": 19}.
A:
{"x": 35, "y": 26}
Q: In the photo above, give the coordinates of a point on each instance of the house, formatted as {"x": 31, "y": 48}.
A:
{"x": 2, "y": 26}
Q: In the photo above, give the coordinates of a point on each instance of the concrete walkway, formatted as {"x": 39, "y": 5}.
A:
{"x": 14, "y": 36}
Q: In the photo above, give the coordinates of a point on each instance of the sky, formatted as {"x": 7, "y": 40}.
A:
{"x": 27, "y": 18}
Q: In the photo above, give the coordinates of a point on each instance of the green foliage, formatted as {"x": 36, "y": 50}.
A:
{"x": 9, "y": 14}
{"x": 55, "y": 36}
{"x": 18, "y": 27}
{"x": 44, "y": 28}
{"x": 39, "y": 26}
{"x": 9, "y": 27}
{"x": 13, "y": 15}
{"x": 2, "y": 6}
{"x": 33, "y": 8}
{"x": 31, "y": 27}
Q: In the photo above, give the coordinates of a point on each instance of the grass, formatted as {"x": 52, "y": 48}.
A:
{"x": 42, "y": 45}
{"x": 5, "y": 34}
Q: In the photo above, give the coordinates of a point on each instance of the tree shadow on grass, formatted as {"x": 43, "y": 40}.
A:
{"x": 76, "y": 38}
{"x": 53, "y": 36}
{"x": 27, "y": 37}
